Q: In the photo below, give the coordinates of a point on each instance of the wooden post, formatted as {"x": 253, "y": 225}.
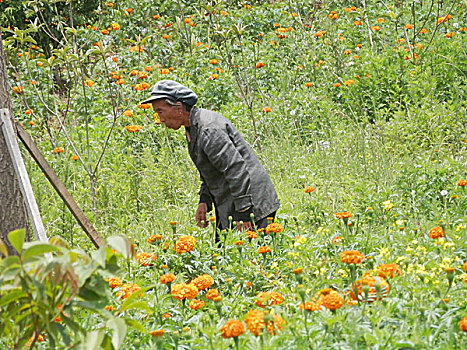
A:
{"x": 22, "y": 175}
{"x": 59, "y": 186}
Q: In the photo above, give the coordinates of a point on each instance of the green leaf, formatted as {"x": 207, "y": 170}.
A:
{"x": 38, "y": 248}
{"x": 135, "y": 325}
{"x": 119, "y": 331}
{"x": 122, "y": 245}
{"x": 99, "y": 256}
{"x": 16, "y": 238}
{"x": 140, "y": 305}
{"x": 93, "y": 340}
{"x": 3, "y": 248}
{"x": 133, "y": 296}
{"x": 12, "y": 296}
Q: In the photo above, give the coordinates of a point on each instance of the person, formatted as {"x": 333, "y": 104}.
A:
{"x": 232, "y": 177}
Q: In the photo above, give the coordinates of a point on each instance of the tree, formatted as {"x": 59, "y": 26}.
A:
{"x": 13, "y": 213}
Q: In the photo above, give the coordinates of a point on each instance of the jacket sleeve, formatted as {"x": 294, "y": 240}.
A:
{"x": 225, "y": 157}
{"x": 205, "y": 196}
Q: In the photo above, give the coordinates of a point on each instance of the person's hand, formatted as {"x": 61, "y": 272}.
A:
{"x": 246, "y": 226}
{"x": 200, "y": 215}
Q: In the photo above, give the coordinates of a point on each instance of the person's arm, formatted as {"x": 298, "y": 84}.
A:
{"x": 224, "y": 156}
{"x": 204, "y": 205}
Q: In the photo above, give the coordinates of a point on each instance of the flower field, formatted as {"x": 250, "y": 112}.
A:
{"x": 357, "y": 111}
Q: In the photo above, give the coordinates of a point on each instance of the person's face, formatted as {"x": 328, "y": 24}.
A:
{"x": 172, "y": 116}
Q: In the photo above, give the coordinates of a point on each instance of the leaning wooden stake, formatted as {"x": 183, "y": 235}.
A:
{"x": 59, "y": 187}
{"x": 22, "y": 175}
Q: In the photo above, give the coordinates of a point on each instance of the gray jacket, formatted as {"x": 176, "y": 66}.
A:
{"x": 232, "y": 176}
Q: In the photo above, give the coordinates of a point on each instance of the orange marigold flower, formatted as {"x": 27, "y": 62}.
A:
{"x": 185, "y": 244}
{"x": 297, "y": 271}
{"x": 333, "y": 15}
{"x": 330, "y": 299}
{"x": 145, "y": 259}
{"x": 157, "y": 333}
{"x": 115, "y": 26}
{"x": 74, "y": 157}
{"x": 465, "y": 266}
{"x": 88, "y": 83}
{"x": 196, "y": 304}
{"x": 408, "y": 26}
{"x": 114, "y": 282}
{"x": 348, "y": 82}
{"x": 156, "y": 16}
{"x": 133, "y": 128}
{"x": 105, "y": 32}
{"x": 351, "y": 257}
{"x": 166, "y": 315}
{"x": 310, "y": 306}
{"x": 264, "y": 249}
{"x": 436, "y": 232}
{"x": 463, "y": 324}
{"x": 144, "y": 105}
{"x": 182, "y": 291}
{"x": 58, "y": 150}
{"x": 380, "y": 20}
{"x": 343, "y": 215}
{"x": 167, "y": 278}
{"x": 255, "y": 321}
{"x": 27, "y": 112}
{"x": 165, "y": 36}
{"x": 389, "y": 270}
{"x": 269, "y": 298}
{"x": 238, "y": 243}
{"x": 462, "y": 183}
{"x": 320, "y": 33}
{"x": 423, "y": 31}
{"x": 307, "y": 84}
{"x": 154, "y": 238}
{"x": 337, "y": 85}
{"x": 110, "y": 308}
{"x": 212, "y": 293}
{"x": 128, "y": 113}
{"x": 275, "y": 325}
{"x": 357, "y": 23}
{"x": 266, "y": 109}
{"x": 308, "y": 189}
{"x": 136, "y": 49}
{"x": 374, "y": 28}
{"x": 274, "y": 227}
{"x": 213, "y": 76}
{"x": 372, "y": 284}
{"x": 213, "y": 61}
{"x": 251, "y": 234}
{"x": 127, "y": 290}
{"x": 347, "y": 52}
{"x": 232, "y": 328}
{"x": 259, "y": 64}
{"x": 337, "y": 240}
{"x": 203, "y": 282}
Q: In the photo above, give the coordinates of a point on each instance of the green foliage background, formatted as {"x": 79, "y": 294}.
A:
{"x": 397, "y": 133}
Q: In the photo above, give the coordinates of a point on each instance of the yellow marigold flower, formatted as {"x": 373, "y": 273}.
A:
{"x": 389, "y": 270}
{"x": 127, "y": 290}
{"x": 203, "y": 282}
{"x": 182, "y": 291}
{"x": 463, "y": 324}
{"x": 114, "y": 282}
{"x": 157, "y": 333}
{"x": 436, "y": 232}
{"x": 185, "y": 244}
{"x": 274, "y": 227}
{"x": 232, "y": 328}
{"x": 351, "y": 257}
{"x": 308, "y": 189}
{"x": 196, "y": 304}
{"x": 255, "y": 321}
{"x": 330, "y": 299}
{"x": 167, "y": 278}
{"x": 264, "y": 250}
{"x": 269, "y": 298}
{"x": 343, "y": 215}
{"x": 145, "y": 259}
{"x": 372, "y": 284}
{"x": 57, "y": 150}
{"x": 212, "y": 293}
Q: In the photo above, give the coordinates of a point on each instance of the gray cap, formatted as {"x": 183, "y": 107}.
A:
{"x": 172, "y": 90}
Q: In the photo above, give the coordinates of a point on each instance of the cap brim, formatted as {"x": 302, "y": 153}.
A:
{"x": 155, "y": 97}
